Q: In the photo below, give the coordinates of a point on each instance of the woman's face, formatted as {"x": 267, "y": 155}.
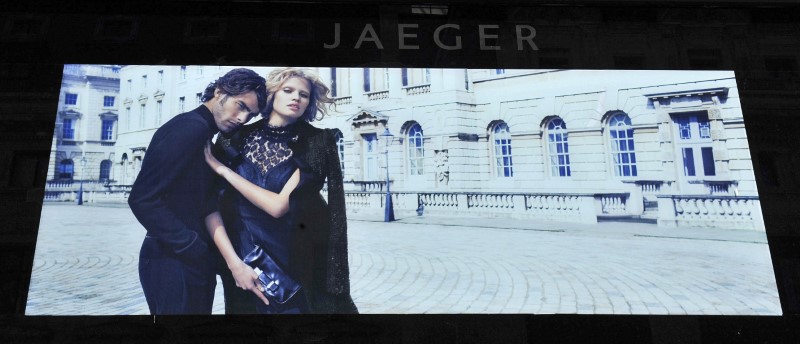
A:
{"x": 290, "y": 102}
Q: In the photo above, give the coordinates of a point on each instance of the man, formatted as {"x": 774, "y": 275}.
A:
{"x": 178, "y": 260}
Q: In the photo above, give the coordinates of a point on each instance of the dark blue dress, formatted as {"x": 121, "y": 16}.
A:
{"x": 269, "y": 163}
{"x": 315, "y": 227}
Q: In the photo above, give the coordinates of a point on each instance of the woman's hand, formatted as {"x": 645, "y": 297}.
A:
{"x": 247, "y": 279}
{"x": 215, "y": 165}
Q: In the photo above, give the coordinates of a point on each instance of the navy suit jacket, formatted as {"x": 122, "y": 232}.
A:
{"x": 171, "y": 193}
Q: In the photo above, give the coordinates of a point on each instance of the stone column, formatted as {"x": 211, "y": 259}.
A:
{"x": 665, "y": 142}
{"x": 587, "y": 210}
{"x": 666, "y": 212}
{"x": 719, "y": 145}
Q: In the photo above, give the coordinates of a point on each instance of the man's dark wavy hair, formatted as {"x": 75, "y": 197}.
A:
{"x": 236, "y": 82}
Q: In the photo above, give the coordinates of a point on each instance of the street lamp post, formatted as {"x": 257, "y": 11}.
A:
{"x": 388, "y": 214}
{"x": 80, "y": 188}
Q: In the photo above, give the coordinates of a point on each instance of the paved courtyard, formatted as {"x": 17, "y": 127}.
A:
{"x": 86, "y": 262}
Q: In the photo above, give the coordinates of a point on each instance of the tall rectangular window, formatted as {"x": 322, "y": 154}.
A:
{"x": 623, "y": 153}
{"x": 708, "y": 161}
{"x": 340, "y": 82}
{"x": 415, "y": 76}
{"x": 183, "y": 72}
{"x": 693, "y": 131}
{"x": 142, "y": 112}
{"x": 159, "y": 111}
{"x": 504, "y": 164}
{"x": 128, "y": 119}
{"x": 71, "y": 99}
{"x": 108, "y": 101}
{"x": 376, "y": 79}
{"x": 367, "y": 87}
{"x": 181, "y": 104}
{"x": 160, "y": 78}
{"x": 144, "y": 81}
{"x": 370, "y": 150}
{"x": 416, "y": 150}
{"x": 558, "y": 148}
{"x": 333, "y": 82}
{"x": 688, "y": 162}
{"x": 108, "y": 130}
{"x": 67, "y": 129}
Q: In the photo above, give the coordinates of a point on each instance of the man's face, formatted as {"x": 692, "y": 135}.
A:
{"x": 231, "y": 112}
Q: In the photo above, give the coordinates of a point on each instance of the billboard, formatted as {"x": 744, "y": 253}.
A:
{"x": 514, "y": 191}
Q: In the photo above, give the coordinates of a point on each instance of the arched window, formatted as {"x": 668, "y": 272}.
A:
{"x": 415, "y": 150}
{"x": 502, "y": 150}
{"x": 105, "y": 169}
{"x": 557, "y": 148}
{"x": 66, "y": 169}
{"x": 622, "y": 151}
{"x": 340, "y": 148}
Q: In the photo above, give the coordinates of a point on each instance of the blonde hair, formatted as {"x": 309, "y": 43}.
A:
{"x": 318, "y": 100}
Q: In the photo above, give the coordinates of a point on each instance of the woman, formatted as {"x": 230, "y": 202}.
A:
{"x": 274, "y": 200}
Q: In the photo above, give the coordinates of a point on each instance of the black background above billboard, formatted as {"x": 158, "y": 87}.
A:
{"x": 758, "y": 40}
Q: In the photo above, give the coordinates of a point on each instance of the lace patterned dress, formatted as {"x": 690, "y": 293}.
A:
{"x": 268, "y": 162}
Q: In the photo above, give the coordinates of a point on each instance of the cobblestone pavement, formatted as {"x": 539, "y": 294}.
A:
{"x": 86, "y": 263}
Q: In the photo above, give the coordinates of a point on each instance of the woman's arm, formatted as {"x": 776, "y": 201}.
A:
{"x": 274, "y": 204}
{"x": 243, "y": 274}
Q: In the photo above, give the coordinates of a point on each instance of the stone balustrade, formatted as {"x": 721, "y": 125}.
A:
{"x": 650, "y": 187}
{"x": 720, "y": 188}
{"x": 490, "y": 201}
{"x": 55, "y": 185}
{"x": 93, "y": 191}
{"x": 364, "y": 185}
{"x": 419, "y": 89}
{"x": 710, "y": 211}
{"x": 613, "y": 204}
{"x": 362, "y": 200}
{"x": 378, "y": 95}
{"x": 88, "y": 185}
{"x": 440, "y": 200}
{"x": 343, "y": 100}
{"x": 558, "y": 207}
{"x": 734, "y": 212}
{"x": 88, "y": 196}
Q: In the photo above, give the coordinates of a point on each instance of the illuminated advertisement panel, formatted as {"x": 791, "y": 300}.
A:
{"x": 544, "y": 191}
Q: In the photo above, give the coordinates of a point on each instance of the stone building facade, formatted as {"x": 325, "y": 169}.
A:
{"x": 566, "y": 145}
{"x": 86, "y": 126}
{"x": 150, "y": 96}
